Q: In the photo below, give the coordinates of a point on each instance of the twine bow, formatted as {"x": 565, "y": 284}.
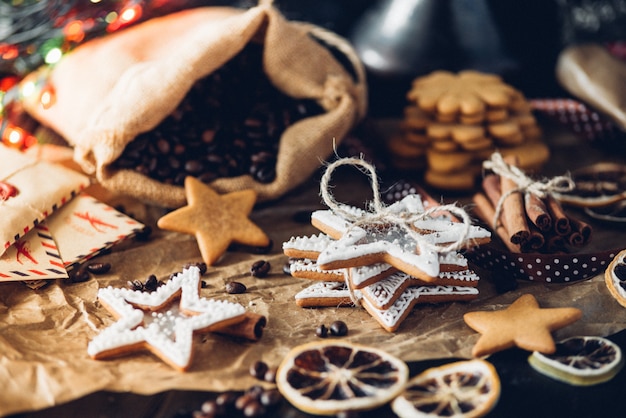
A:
{"x": 381, "y": 214}
{"x": 541, "y": 189}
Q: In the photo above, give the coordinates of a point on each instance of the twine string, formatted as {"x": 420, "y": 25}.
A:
{"x": 541, "y": 189}
{"x": 380, "y": 214}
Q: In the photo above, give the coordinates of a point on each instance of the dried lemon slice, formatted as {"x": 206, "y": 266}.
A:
{"x": 463, "y": 389}
{"x": 329, "y": 377}
{"x": 615, "y": 278}
{"x": 580, "y": 361}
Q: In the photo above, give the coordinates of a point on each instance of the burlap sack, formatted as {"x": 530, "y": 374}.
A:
{"x": 109, "y": 90}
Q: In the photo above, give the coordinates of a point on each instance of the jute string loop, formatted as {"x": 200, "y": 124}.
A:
{"x": 381, "y": 214}
{"x": 541, "y": 189}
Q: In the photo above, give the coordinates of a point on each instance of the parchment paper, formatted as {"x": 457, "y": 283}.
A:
{"x": 44, "y": 333}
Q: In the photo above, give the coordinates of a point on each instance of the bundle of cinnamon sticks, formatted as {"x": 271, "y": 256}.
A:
{"x": 527, "y": 222}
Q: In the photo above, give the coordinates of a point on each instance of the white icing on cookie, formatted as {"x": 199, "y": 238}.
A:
{"x": 326, "y": 290}
{"x": 362, "y": 274}
{"x": 386, "y": 291}
{"x": 169, "y": 332}
{"x": 358, "y": 244}
{"x": 314, "y": 243}
{"x": 391, "y": 318}
{"x": 304, "y": 267}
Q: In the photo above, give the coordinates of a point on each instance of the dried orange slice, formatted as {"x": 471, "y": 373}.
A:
{"x": 329, "y": 377}
{"x": 580, "y": 361}
{"x": 615, "y": 278}
{"x": 463, "y": 389}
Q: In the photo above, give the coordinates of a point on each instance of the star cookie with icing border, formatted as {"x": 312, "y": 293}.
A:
{"x": 361, "y": 245}
{"x": 523, "y": 324}
{"x": 215, "y": 220}
{"x": 152, "y": 321}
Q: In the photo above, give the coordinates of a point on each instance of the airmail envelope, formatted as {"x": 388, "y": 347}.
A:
{"x": 75, "y": 233}
{"x": 40, "y": 188}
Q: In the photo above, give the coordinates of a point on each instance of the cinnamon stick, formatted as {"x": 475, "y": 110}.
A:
{"x": 561, "y": 221}
{"x": 513, "y": 212}
{"x": 535, "y": 242}
{"x": 486, "y": 212}
{"x": 537, "y": 212}
{"x": 491, "y": 187}
{"x": 554, "y": 244}
{"x": 581, "y": 232}
{"x": 251, "y": 328}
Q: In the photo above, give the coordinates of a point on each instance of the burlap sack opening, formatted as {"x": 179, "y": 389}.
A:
{"x": 112, "y": 89}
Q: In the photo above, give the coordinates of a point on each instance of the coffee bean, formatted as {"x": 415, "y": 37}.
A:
{"x": 255, "y": 391}
{"x": 243, "y": 400}
{"x": 258, "y": 369}
{"x": 211, "y": 408}
{"x": 235, "y": 288}
{"x": 338, "y": 329}
{"x": 98, "y": 268}
{"x": 226, "y": 399}
{"x": 270, "y": 375}
{"x": 321, "y": 331}
{"x": 260, "y": 268}
{"x": 201, "y": 265}
{"x": 135, "y": 285}
{"x": 151, "y": 283}
{"x": 270, "y": 397}
{"x": 254, "y": 409}
{"x": 79, "y": 275}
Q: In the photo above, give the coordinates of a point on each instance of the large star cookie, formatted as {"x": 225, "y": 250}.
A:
{"x": 360, "y": 245}
{"x": 523, "y": 324}
{"x": 152, "y": 321}
{"x": 215, "y": 220}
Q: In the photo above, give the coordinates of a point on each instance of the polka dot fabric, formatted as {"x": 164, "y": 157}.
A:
{"x": 578, "y": 117}
{"x": 548, "y": 268}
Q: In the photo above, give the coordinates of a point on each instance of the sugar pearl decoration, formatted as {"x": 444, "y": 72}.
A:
{"x": 153, "y": 319}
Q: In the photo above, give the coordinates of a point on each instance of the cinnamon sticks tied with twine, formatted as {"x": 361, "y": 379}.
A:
{"x": 524, "y": 213}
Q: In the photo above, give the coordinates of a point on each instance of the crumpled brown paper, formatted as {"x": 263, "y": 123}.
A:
{"x": 44, "y": 334}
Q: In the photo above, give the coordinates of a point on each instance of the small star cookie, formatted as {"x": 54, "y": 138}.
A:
{"x": 152, "y": 321}
{"x": 523, "y": 324}
{"x": 215, "y": 220}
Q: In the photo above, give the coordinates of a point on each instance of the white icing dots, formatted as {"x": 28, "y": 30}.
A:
{"x": 152, "y": 318}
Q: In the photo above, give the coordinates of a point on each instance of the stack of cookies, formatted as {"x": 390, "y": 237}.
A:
{"x": 381, "y": 266}
{"x": 455, "y": 121}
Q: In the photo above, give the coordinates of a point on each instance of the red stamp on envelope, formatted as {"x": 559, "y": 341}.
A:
{"x": 7, "y": 191}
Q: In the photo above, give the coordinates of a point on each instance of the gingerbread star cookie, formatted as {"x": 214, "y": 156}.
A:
{"x": 152, "y": 321}
{"x": 523, "y": 324}
{"x": 215, "y": 220}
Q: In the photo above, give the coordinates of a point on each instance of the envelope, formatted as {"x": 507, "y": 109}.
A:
{"x": 75, "y": 233}
{"x": 40, "y": 188}
{"x": 34, "y": 257}
{"x": 85, "y": 227}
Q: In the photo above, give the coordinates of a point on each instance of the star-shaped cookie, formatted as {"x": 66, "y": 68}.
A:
{"x": 152, "y": 321}
{"x": 368, "y": 244}
{"x": 215, "y": 220}
{"x": 523, "y": 324}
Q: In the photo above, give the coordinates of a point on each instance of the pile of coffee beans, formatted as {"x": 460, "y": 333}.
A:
{"x": 229, "y": 124}
{"x": 336, "y": 329}
{"x": 256, "y": 401}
